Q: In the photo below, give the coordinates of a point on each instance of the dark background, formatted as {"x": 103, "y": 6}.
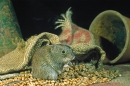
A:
{"x": 36, "y": 16}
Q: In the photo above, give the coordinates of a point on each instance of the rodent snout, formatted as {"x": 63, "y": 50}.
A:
{"x": 72, "y": 57}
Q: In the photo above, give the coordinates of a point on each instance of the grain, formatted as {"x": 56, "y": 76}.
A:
{"x": 80, "y": 74}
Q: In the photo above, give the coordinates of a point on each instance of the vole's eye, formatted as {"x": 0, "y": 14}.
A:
{"x": 63, "y": 51}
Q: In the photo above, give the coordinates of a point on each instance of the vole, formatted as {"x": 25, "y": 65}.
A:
{"x": 49, "y": 61}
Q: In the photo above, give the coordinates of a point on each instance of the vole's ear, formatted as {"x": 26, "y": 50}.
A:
{"x": 45, "y": 42}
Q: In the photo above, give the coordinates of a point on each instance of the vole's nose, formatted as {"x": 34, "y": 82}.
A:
{"x": 72, "y": 57}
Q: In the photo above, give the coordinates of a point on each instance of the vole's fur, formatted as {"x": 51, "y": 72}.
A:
{"x": 49, "y": 61}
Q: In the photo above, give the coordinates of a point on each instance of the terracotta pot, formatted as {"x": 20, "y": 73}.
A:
{"x": 9, "y": 28}
{"x": 111, "y": 32}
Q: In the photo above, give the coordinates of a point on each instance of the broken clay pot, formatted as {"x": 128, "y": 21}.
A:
{"x": 111, "y": 31}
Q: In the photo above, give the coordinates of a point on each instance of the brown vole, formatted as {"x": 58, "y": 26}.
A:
{"x": 49, "y": 61}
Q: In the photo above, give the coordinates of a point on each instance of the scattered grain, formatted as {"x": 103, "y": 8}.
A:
{"x": 75, "y": 75}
